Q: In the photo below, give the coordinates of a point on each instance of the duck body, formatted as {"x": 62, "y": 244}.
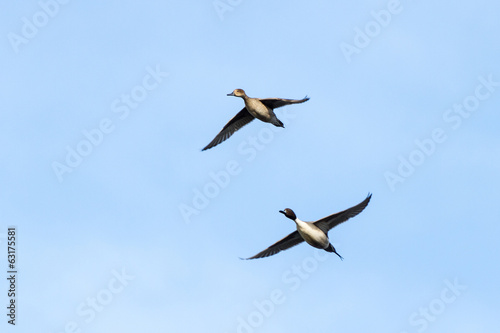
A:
{"x": 313, "y": 235}
{"x": 262, "y": 112}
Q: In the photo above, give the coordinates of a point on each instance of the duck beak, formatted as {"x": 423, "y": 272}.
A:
{"x": 231, "y": 94}
{"x": 282, "y": 212}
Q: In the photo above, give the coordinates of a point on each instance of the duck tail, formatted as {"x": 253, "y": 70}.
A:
{"x": 330, "y": 248}
{"x": 276, "y": 122}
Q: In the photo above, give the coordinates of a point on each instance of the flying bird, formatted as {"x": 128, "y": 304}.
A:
{"x": 260, "y": 108}
{"x": 314, "y": 233}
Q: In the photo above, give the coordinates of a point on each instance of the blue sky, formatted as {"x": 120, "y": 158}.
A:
{"x": 106, "y": 108}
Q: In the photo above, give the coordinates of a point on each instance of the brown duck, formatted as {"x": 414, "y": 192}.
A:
{"x": 260, "y": 108}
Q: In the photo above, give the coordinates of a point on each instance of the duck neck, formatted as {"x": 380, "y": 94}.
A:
{"x": 298, "y": 222}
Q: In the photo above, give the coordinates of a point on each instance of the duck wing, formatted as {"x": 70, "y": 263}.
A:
{"x": 333, "y": 220}
{"x": 241, "y": 119}
{"x": 284, "y": 244}
{"x": 274, "y": 103}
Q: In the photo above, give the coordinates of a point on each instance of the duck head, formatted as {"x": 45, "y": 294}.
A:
{"x": 289, "y": 213}
{"x": 237, "y": 93}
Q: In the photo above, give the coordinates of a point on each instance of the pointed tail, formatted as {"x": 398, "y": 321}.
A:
{"x": 330, "y": 248}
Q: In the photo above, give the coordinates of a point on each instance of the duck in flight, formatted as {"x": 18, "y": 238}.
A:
{"x": 260, "y": 108}
{"x": 314, "y": 233}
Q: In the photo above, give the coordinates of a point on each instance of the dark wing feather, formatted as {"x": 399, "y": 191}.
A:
{"x": 241, "y": 119}
{"x": 289, "y": 241}
{"x": 274, "y": 103}
{"x": 333, "y": 220}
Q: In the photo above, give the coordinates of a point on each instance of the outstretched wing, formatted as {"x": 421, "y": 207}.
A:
{"x": 274, "y": 103}
{"x": 333, "y": 220}
{"x": 241, "y": 119}
{"x": 289, "y": 241}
